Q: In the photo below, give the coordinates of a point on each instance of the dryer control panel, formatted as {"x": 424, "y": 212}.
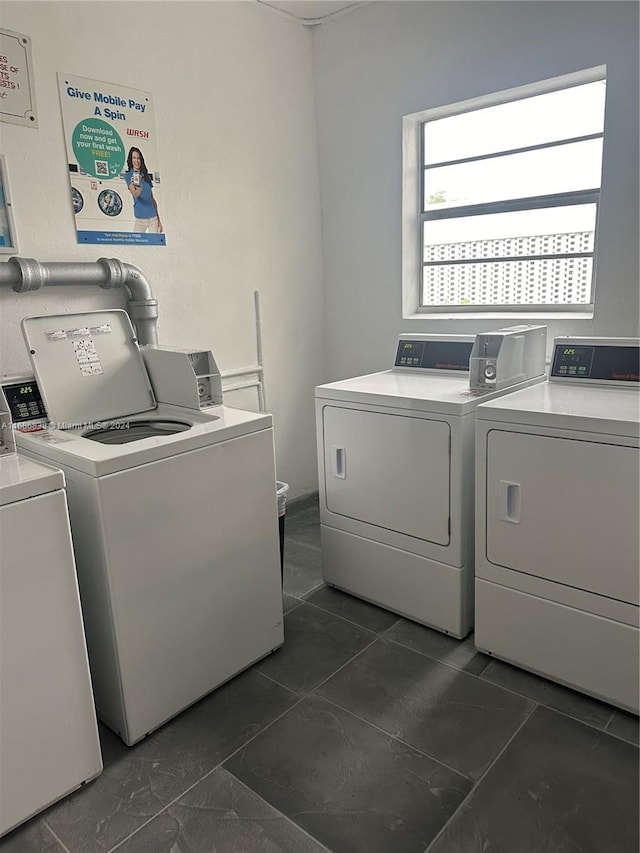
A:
{"x": 611, "y": 361}
{"x": 434, "y": 352}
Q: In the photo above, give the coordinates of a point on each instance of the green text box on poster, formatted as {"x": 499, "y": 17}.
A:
{"x": 98, "y": 148}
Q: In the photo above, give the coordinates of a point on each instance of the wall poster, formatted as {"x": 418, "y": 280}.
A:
{"x": 8, "y": 243}
{"x": 112, "y": 155}
{"x": 17, "y": 95}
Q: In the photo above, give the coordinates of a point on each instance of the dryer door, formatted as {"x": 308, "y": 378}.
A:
{"x": 388, "y": 470}
{"x": 564, "y": 510}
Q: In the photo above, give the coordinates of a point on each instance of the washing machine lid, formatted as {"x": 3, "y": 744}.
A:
{"x": 88, "y": 366}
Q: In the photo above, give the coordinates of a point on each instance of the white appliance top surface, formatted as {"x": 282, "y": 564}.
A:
{"x": 69, "y": 447}
{"x": 437, "y": 392}
{"x": 22, "y": 478}
{"x": 614, "y": 411}
{"x": 88, "y": 366}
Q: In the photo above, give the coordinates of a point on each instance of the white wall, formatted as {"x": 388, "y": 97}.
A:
{"x": 389, "y": 59}
{"x": 233, "y": 98}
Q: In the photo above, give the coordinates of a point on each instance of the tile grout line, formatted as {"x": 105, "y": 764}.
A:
{"x": 399, "y": 740}
{"x": 621, "y": 737}
{"x": 314, "y": 588}
{"x": 157, "y": 814}
{"x": 339, "y": 616}
{"x": 306, "y": 592}
{"x": 316, "y": 548}
{"x": 312, "y": 690}
{"x": 346, "y": 663}
{"x": 271, "y": 806}
{"x": 478, "y": 676}
{"x": 60, "y": 842}
{"x": 281, "y": 686}
{"x": 388, "y": 630}
{"x": 601, "y": 729}
{"x": 481, "y": 778}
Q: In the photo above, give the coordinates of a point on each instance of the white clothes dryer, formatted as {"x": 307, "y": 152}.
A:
{"x": 48, "y": 734}
{"x": 173, "y": 514}
{"x": 557, "y": 553}
{"x": 395, "y": 468}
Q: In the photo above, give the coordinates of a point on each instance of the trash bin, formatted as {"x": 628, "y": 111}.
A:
{"x": 281, "y": 493}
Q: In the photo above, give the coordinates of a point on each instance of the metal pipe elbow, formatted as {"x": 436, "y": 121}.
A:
{"x": 142, "y": 306}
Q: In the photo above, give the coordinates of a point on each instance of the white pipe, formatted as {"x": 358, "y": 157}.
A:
{"x": 242, "y": 371}
{"x": 262, "y": 394}
{"x": 238, "y": 386}
{"x": 256, "y": 383}
{"x": 258, "y": 370}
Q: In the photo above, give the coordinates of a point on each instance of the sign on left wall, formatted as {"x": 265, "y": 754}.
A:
{"x": 17, "y": 91}
{"x": 112, "y": 155}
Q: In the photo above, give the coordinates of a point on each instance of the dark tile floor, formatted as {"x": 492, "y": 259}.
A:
{"x": 365, "y": 733}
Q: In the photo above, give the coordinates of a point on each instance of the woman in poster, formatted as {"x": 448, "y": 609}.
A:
{"x": 140, "y": 184}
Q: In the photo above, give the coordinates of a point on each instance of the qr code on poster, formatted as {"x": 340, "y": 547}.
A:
{"x": 102, "y": 168}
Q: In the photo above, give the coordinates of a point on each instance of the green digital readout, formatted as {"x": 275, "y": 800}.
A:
{"x": 24, "y": 402}
{"x": 601, "y": 362}
{"x": 434, "y": 354}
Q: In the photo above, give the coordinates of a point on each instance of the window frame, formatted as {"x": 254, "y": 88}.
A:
{"x": 414, "y": 216}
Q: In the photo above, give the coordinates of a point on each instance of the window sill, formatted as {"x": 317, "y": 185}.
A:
{"x": 515, "y": 316}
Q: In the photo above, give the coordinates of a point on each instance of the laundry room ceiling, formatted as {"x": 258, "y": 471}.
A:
{"x": 312, "y": 11}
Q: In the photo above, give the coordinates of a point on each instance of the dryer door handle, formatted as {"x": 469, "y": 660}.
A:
{"x": 509, "y": 501}
{"x": 339, "y": 455}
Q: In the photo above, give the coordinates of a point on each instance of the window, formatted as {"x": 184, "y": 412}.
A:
{"x": 501, "y": 197}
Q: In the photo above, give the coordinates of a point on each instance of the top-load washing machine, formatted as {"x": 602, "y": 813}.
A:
{"x": 48, "y": 734}
{"x": 173, "y": 515}
{"x": 557, "y": 556}
{"x": 396, "y": 473}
